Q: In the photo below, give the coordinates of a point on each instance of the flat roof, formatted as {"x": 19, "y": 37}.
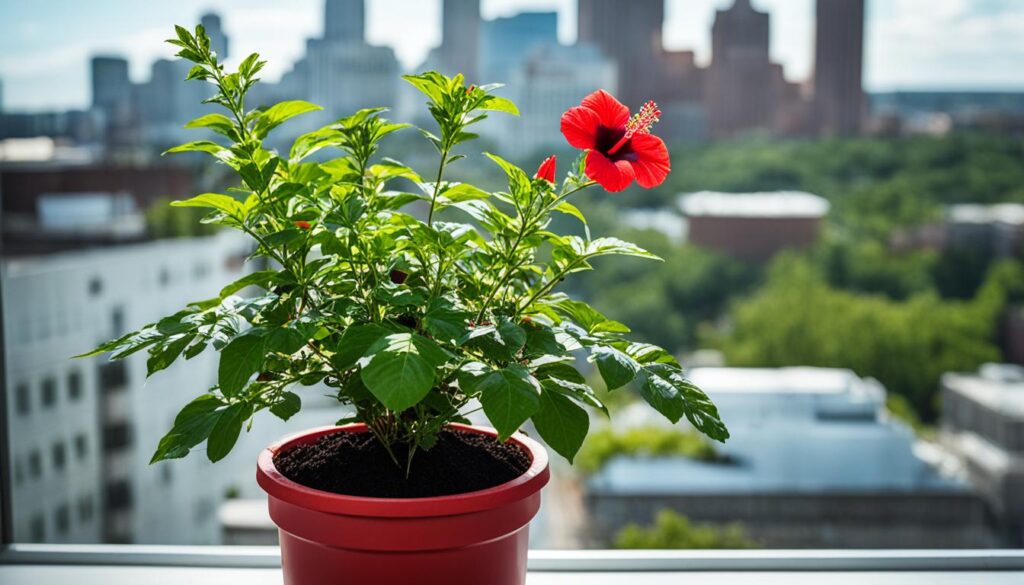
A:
{"x": 788, "y": 380}
{"x": 773, "y": 204}
{"x": 994, "y": 387}
{"x": 1009, "y": 213}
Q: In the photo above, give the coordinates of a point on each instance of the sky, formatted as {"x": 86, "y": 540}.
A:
{"x": 45, "y": 45}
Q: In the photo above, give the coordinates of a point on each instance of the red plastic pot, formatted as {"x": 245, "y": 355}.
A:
{"x": 475, "y": 538}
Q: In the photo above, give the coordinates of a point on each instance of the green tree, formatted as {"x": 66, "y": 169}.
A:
{"x": 672, "y": 530}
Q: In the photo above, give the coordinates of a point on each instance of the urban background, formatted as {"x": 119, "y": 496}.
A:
{"x": 844, "y": 275}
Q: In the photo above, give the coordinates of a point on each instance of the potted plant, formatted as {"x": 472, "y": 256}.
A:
{"x": 411, "y": 323}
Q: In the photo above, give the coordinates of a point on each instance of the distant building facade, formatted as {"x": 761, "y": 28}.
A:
{"x": 461, "y": 36}
{"x": 344, "y": 21}
{"x": 983, "y": 423}
{"x": 814, "y": 461}
{"x": 506, "y": 42}
{"x": 628, "y": 33}
{"x": 753, "y": 227}
{"x": 838, "y": 67}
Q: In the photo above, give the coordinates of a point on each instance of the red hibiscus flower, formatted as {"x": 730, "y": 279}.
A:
{"x": 303, "y": 224}
{"x": 546, "y": 170}
{"x": 620, "y": 149}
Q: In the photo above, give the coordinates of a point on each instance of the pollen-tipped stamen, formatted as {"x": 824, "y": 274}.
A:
{"x": 640, "y": 123}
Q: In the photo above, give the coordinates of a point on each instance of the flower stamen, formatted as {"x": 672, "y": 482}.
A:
{"x": 640, "y": 123}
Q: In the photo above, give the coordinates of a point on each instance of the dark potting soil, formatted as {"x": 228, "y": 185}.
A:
{"x": 356, "y": 464}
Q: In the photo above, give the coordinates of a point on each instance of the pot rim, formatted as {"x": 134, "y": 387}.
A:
{"x": 278, "y": 486}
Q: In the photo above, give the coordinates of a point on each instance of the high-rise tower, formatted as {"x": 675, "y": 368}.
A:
{"x": 628, "y": 33}
{"x": 460, "y": 43}
{"x": 218, "y": 40}
{"x": 739, "y": 94}
{"x": 838, "y": 67}
{"x": 345, "y": 21}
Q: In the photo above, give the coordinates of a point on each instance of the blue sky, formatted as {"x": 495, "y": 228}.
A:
{"x": 45, "y": 44}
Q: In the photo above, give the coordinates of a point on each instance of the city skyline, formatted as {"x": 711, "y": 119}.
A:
{"x": 902, "y": 48}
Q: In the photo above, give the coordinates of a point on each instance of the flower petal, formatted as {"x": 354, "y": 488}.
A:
{"x": 652, "y": 164}
{"x": 579, "y": 126}
{"x": 613, "y": 176}
{"x": 611, "y": 111}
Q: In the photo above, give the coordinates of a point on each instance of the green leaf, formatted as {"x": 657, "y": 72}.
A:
{"x": 355, "y": 342}
{"x": 617, "y": 368}
{"x": 224, "y": 203}
{"x": 199, "y": 146}
{"x": 287, "y": 406}
{"x": 588, "y": 317}
{"x": 219, "y": 123}
{"x": 459, "y": 192}
{"x": 603, "y": 246}
{"x": 499, "y": 104}
{"x": 191, "y": 427}
{"x": 275, "y": 115}
{"x": 225, "y": 432}
{"x": 570, "y": 209}
{"x": 509, "y": 397}
{"x": 286, "y": 340}
{"x": 258, "y": 278}
{"x": 239, "y": 360}
{"x": 398, "y": 374}
{"x": 672, "y": 394}
{"x": 561, "y": 423}
{"x": 163, "y": 356}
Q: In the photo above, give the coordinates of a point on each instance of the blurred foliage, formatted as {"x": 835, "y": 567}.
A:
{"x": 650, "y": 441}
{"x": 798, "y": 318}
{"x": 672, "y": 530}
{"x": 163, "y": 221}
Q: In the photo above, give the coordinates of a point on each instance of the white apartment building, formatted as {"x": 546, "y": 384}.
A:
{"x": 82, "y": 431}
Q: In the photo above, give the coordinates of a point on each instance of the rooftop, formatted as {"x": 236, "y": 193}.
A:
{"x": 999, "y": 387}
{"x": 775, "y": 204}
{"x": 1008, "y": 213}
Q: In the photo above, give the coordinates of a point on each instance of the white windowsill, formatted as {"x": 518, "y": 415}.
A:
{"x": 159, "y": 565}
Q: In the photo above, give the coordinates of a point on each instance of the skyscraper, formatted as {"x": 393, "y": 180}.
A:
{"x": 218, "y": 40}
{"x": 111, "y": 86}
{"x": 460, "y": 42}
{"x": 838, "y": 66}
{"x": 629, "y": 33}
{"x": 739, "y": 93}
{"x": 345, "y": 20}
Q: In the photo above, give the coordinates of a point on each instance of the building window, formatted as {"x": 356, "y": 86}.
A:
{"x": 165, "y": 474}
{"x": 22, "y": 397}
{"x": 119, "y": 495}
{"x": 85, "y": 509}
{"x": 63, "y": 519}
{"x": 112, "y": 376}
{"x": 117, "y": 322}
{"x": 58, "y": 456}
{"x": 49, "y": 392}
{"x": 165, "y": 277}
{"x": 75, "y": 385}
{"x": 35, "y": 465}
{"x": 117, "y": 436}
{"x": 37, "y": 528}
{"x": 19, "y": 471}
{"x": 95, "y": 286}
{"x": 81, "y": 446}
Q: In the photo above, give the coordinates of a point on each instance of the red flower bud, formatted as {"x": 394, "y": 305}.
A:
{"x": 546, "y": 170}
{"x": 303, "y": 224}
{"x": 470, "y": 89}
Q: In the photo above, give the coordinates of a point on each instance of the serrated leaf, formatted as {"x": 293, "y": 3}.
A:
{"x": 224, "y": 433}
{"x": 239, "y": 360}
{"x": 355, "y": 342}
{"x": 258, "y": 278}
{"x": 162, "y": 357}
{"x": 509, "y": 397}
{"x": 218, "y": 201}
{"x": 219, "y": 123}
{"x": 275, "y": 115}
{"x": 499, "y": 104}
{"x": 191, "y": 427}
{"x": 617, "y": 369}
{"x": 397, "y": 374}
{"x": 561, "y": 423}
{"x": 287, "y": 405}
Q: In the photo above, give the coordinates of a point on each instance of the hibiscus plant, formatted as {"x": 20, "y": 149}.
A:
{"x": 411, "y": 321}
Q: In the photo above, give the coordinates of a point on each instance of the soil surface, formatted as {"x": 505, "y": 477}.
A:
{"x": 356, "y": 464}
